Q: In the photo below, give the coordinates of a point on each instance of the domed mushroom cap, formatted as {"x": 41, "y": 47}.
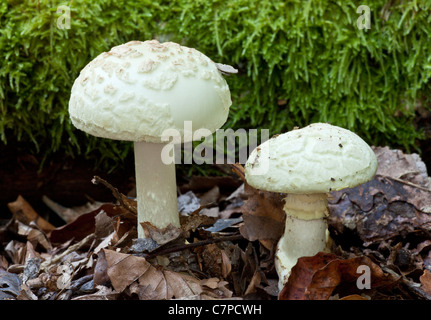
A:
{"x": 138, "y": 89}
{"x": 315, "y": 159}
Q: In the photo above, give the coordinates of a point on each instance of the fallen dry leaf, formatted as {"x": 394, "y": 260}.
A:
{"x": 380, "y": 209}
{"x": 259, "y": 227}
{"x": 263, "y": 216}
{"x": 103, "y": 225}
{"x": 263, "y": 213}
{"x": 10, "y": 285}
{"x": 26, "y": 293}
{"x": 103, "y": 293}
{"x": 16, "y": 251}
{"x": 210, "y": 197}
{"x": 395, "y": 203}
{"x": 254, "y": 282}
{"x": 396, "y": 164}
{"x": 302, "y": 275}
{"x": 163, "y": 235}
{"x": 316, "y": 277}
{"x": 90, "y": 257}
{"x": 24, "y": 212}
{"x": 57, "y": 258}
{"x": 85, "y": 224}
{"x": 425, "y": 280}
{"x": 3, "y": 263}
{"x": 100, "y": 275}
{"x": 193, "y": 221}
{"x": 36, "y": 236}
{"x": 70, "y": 214}
{"x": 148, "y": 282}
{"x": 214, "y": 261}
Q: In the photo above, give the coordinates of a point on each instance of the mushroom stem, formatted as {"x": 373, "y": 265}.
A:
{"x": 305, "y": 232}
{"x": 156, "y": 187}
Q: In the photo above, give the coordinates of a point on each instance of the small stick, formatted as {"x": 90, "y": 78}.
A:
{"x": 239, "y": 170}
{"x": 47, "y": 263}
{"x": 415, "y": 287}
{"x": 406, "y": 182}
{"x": 192, "y": 245}
{"x": 124, "y": 201}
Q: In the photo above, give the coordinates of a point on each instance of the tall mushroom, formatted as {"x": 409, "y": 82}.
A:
{"x": 306, "y": 164}
{"x": 136, "y": 92}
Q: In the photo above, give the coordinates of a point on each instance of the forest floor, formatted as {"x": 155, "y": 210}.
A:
{"x": 380, "y": 233}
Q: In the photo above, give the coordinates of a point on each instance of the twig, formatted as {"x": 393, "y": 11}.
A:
{"x": 413, "y": 286}
{"x": 405, "y": 182}
{"x": 191, "y": 245}
{"x": 75, "y": 285}
{"x": 239, "y": 170}
{"x": 47, "y": 263}
{"x": 122, "y": 199}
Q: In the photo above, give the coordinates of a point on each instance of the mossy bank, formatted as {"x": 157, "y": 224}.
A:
{"x": 299, "y": 62}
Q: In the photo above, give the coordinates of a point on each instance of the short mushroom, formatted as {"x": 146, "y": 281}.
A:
{"x": 306, "y": 164}
{"x": 136, "y": 92}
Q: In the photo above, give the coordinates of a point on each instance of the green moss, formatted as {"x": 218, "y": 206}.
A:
{"x": 312, "y": 55}
{"x": 41, "y": 61}
{"x": 309, "y": 54}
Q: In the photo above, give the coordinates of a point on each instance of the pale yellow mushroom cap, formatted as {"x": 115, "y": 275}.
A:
{"x": 315, "y": 159}
{"x": 137, "y": 90}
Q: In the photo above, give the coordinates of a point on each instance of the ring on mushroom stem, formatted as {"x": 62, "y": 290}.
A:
{"x": 306, "y": 164}
{"x": 138, "y": 90}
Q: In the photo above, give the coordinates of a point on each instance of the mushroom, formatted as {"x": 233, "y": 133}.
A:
{"x": 137, "y": 92}
{"x": 306, "y": 164}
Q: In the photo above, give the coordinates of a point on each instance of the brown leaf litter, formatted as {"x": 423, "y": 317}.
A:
{"x": 224, "y": 248}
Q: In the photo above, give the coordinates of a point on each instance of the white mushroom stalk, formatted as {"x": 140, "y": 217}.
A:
{"x": 138, "y": 91}
{"x": 305, "y": 233}
{"x": 306, "y": 164}
{"x": 156, "y": 187}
